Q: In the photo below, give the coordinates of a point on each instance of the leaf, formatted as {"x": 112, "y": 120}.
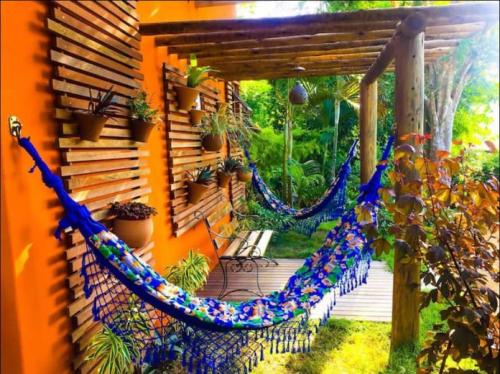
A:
{"x": 363, "y": 214}
{"x": 435, "y": 254}
{"x": 380, "y": 246}
{"x": 491, "y": 146}
{"x": 404, "y": 150}
{"x": 442, "y": 154}
{"x": 410, "y": 204}
{"x": 414, "y": 234}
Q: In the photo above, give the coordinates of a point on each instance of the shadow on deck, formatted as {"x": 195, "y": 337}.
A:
{"x": 369, "y": 302}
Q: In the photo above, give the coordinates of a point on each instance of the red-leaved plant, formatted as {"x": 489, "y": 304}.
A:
{"x": 449, "y": 221}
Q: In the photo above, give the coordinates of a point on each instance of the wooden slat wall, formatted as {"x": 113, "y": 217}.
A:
{"x": 96, "y": 45}
{"x": 186, "y": 153}
{"x": 236, "y": 189}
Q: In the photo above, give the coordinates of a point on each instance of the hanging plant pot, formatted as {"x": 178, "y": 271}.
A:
{"x": 223, "y": 179}
{"x": 245, "y": 175}
{"x": 196, "y": 192}
{"x": 136, "y": 233}
{"x": 298, "y": 94}
{"x": 186, "y": 96}
{"x": 212, "y": 143}
{"x": 89, "y": 125}
{"x": 141, "y": 130}
{"x": 196, "y": 116}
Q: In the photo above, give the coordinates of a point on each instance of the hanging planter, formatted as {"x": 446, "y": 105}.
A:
{"x": 198, "y": 183}
{"x": 141, "y": 130}
{"x": 196, "y": 116}
{"x": 212, "y": 143}
{"x": 144, "y": 117}
{"x": 298, "y": 94}
{"x": 245, "y": 174}
{"x": 223, "y": 179}
{"x": 91, "y": 122}
{"x": 186, "y": 96}
{"x": 133, "y": 223}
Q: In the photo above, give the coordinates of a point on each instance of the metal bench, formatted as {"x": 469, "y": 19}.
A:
{"x": 237, "y": 251}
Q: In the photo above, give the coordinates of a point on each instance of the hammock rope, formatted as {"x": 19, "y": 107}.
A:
{"x": 306, "y": 220}
{"x": 160, "y": 321}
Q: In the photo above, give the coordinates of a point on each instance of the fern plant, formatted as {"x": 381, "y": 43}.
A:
{"x": 190, "y": 273}
{"x": 140, "y": 108}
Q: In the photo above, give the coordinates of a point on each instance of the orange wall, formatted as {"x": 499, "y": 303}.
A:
{"x": 35, "y": 327}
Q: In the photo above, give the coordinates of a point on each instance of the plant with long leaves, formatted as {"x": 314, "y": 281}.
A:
{"x": 196, "y": 75}
{"x": 218, "y": 122}
{"x": 190, "y": 273}
{"x": 228, "y": 165}
{"x": 307, "y": 181}
{"x": 102, "y": 104}
{"x": 446, "y": 218}
{"x": 203, "y": 175}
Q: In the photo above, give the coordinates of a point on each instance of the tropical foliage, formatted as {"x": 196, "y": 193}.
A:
{"x": 190, "y": 273}
{"x": 140, "y": 108}
{"x": 448, "y": 220}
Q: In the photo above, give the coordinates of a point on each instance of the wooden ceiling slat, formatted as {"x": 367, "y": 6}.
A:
{"x": 289, "y": 23}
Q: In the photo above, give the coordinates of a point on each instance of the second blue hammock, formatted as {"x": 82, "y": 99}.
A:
{"x": 306, "y": 220}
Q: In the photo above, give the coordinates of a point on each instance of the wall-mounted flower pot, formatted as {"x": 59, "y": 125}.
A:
{"x": 136, "y": 233}
{"x": 89, "y": 125}
{"x": 244, "y": 176}
{"x": 141, "y": 130}
{"x": 196, "y": 116}
{"x": 223, "y": 179}
{"x": 186, "y": 97}
{"x": 196, "y": 192}
{"x": 212, "y": 143}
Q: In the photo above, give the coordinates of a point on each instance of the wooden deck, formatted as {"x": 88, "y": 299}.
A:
{"x": 369, "y": 302}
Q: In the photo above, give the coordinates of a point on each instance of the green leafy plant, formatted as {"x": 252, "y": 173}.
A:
{"x": 203, "y": 175}
{"x": 217, "y": 123}
{"x": 306, "y": 181}
{"x": 102, "y": 104}
{"x": 447, "y": 219}
{"x": 228, "y": 165}
{"x": 196, "y": 75}
{"x": 140, "y": 108}
{"x": 132, "y": 210}
{"x": 190, "y": 273}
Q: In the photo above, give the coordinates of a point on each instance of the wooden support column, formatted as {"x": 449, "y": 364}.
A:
{"x": 409, "y": 109}
{"x": 368, "y": 129}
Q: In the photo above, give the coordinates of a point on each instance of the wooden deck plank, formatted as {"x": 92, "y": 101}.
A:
{"x": 369, "y": 302}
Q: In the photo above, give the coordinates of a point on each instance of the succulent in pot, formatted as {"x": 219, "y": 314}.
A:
{"x": 144, "y": 117}
{"x": 198, "y": 183}
{"x": 214, "y": 127}
{"x": 133, "y": 223}
{"x": 244, "y": 173}
{"x": 225, "y": 170}
{"x": 195, "y": 75}
{"x": 91, "y": 121}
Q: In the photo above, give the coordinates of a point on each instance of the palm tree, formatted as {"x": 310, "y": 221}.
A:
{"x": 345, "y": 89}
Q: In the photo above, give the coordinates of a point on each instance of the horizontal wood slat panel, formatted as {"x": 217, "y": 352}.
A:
{"x": 96, "y": 45}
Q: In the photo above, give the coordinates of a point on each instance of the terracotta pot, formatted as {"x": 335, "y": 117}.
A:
{"x": 212, "y": 143}
{"x": 244, "y": 176}
{"x": 136, "y": 233}
{"x": 223, "y": 179}
{"x": 186, "y": 97}
{"x": 196, "y": 192}
{"x": 141, "y": 130}
{"x": 89, "y": 125}
{"x": 196, "y": 116}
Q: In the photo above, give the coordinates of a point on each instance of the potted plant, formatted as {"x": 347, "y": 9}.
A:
{"x": 196, "y": 116}
{"x": 133, "y": 223}
{"x": 144, "y": 117}
{"x": 91, "y": 121}
{"x": 225, "y": 170}
{"x": 214, "y": 127}
{"x": 198, "y": 182}
{"x": 186, "y": 96}
{"x": 244, "y": 173}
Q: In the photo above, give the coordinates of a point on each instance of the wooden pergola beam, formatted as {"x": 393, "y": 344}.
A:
{"x": 284, "y": 23}
{"x": 411, "y": 26}
{"x": 368, "y": 129}
{"x": 357, "y": 28}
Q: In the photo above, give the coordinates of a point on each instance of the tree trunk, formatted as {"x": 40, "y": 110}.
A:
{"x": 445, "y": 84}
{"x": 335, "y": 137}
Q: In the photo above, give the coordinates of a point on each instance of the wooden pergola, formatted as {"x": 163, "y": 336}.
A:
{"x": 365, "y": 42}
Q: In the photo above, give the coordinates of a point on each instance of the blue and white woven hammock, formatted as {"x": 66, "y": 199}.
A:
{"x": 210, "y": 335}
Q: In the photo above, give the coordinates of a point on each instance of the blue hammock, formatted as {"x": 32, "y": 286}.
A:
{"x": 306, "y": 220}
{"x": 209, "y": 335}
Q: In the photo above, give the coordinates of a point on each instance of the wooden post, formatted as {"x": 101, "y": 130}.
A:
{"x": 368, "y": 129}
{"x": 409, "y": 109}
